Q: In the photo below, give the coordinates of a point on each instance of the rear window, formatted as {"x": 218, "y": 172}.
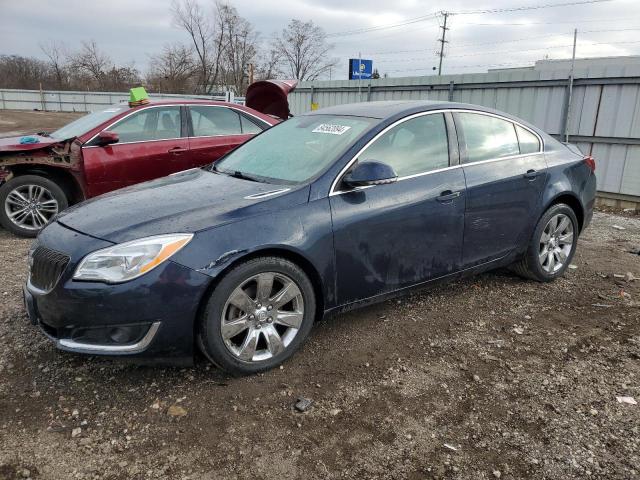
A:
{"x": 209, "y": 121}
{"x": 487, "y": 137}
{"x": 529, "y": 143}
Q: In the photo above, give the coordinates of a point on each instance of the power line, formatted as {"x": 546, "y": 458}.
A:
{"x": 531, "y": 7}
{"x": 524, "y": 39}
{"x": 501, "y": 52}
{"x": 569, "y": 22}
{"x": 383, "y": 27}
{"x": 464, "y": 12}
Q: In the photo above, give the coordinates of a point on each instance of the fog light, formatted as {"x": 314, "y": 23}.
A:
{"x": 123, "y": 334}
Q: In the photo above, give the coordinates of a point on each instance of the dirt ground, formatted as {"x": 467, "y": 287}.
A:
{"x": 18, "y": 122}
{"x": 490, "y": 377}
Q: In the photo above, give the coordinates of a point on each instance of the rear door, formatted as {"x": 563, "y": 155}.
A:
{"x": 215, "y": 130}
{"x": 505, "y": 173}
{"x": 151, "y": 145}
{"x": 388, "y": 237}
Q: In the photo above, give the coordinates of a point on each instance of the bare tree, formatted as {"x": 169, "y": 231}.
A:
{"x": 206, "y": 40}
{"x": 239, "y": 46}
{"x": 57, "y": 53}
{"x": 303, "y": 50}
{"x": 23, "y": 72}
{"x": 93, "y": 63}
{"x": 173, "y": 69}
{"x": 268, "y": 65}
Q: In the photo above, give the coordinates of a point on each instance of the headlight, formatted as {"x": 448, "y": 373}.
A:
{"x": 130, "y": 260}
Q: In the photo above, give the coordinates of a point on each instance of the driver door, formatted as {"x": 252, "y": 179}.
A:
{"x": 389, "y": 237}
{"x": 151, "y": 145}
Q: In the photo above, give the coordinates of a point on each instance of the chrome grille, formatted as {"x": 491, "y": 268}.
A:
{"x": 47, "y": 267}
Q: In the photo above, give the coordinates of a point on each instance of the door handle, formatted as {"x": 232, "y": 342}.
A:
{"x": 177, "y": 150}
{"x": 531, "y": 174}
{"x": 447, "y": 196}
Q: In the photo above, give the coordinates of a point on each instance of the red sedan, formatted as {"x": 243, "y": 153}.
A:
{"x": 121, "y": 146}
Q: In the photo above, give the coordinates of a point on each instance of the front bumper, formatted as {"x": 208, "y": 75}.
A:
{"x": 150, "y": 318}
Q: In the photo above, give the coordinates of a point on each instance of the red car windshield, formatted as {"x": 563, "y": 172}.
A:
{"x": 88, "y": 122}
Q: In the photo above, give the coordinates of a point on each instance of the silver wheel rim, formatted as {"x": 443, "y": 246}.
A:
{"x": 30, "y": 207}
{"x": 262, "y": 316}
{"x": 556, "y": 242}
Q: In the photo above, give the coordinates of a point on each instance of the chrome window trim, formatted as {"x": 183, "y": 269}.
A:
{"x": 333, "y": 191}
{"x": 137, "y": 347}
{"x": 127, "y": 116}
{"x": 257, "y": 196}
{"x": 240, "y": 112}
{"x": 268, "y": 125}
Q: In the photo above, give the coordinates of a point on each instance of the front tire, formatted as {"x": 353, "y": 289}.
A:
{"x": 28, "y": 203}
{"x": 552, "y": 245}
{"x": 257, "y": 316}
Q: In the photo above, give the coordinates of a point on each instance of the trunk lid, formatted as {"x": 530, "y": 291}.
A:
{"x": 270, "y": 97}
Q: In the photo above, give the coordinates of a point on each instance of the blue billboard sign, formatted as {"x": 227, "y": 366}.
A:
{"x": 360, "y": 69}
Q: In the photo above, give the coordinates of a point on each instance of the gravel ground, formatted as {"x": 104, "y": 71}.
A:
{"x": 490, "y": 377}
{"x": 20, "y": 122}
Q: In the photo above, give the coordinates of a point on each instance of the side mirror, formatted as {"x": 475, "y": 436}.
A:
{"x": 107, "y": 138}
{"x": 370, "y": 172}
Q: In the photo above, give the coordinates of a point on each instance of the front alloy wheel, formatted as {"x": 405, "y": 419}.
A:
{"x": 257, "y": 316}
{"x": 29, "y": 202}
{"x": 30, "y": 206}
{"x": 262, "y": 317}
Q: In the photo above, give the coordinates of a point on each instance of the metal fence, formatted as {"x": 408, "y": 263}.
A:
{"x": 603, "y": 120}
{"x": 63, "y": 101}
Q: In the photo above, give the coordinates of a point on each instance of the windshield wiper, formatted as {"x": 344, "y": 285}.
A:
{"x": 236, "y": 174}
{"x": 244, "y": 176}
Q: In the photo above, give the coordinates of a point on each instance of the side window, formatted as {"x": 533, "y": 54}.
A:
{"x": 487, "y": 137}
{"x": 211, "y": 121}
{"x": 158, "y": 123}
{"x": 415, "y": 146}
{"x": 529, "y": 143}
{"x": 248, "y": 127}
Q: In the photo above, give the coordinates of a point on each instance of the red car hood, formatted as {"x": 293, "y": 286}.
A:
{"x": 270, "y": 97}
{"x": 12, "y": 144}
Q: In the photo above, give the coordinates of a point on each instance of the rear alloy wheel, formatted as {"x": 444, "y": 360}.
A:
{"x": 28, "y": 203}
{"x": 556, "y": 243}
{"x": 258, "y": 315}
{"x": 552, "y": 247}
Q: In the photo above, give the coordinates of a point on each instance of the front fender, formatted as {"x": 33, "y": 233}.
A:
{"x": 303, "y": 230}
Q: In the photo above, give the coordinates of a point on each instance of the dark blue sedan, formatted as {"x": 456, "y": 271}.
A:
{"x": 323, "y": 213}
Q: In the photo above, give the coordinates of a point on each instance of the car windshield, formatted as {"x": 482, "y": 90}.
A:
{"x": 296, "y": 150}
{"x": 88, "y": 122}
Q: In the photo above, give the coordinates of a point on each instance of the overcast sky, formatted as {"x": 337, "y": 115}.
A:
{"x": 129, "y": 31}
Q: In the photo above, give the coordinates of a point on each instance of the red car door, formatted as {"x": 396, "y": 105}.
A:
{"x": 216, "y": 129}
{"x": 151, "y": 145}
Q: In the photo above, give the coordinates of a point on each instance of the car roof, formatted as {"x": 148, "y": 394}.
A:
{"x": 391, "y": 108}
{"x": 181, "y": 101}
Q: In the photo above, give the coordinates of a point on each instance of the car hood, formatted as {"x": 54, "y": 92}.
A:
{"x": 270, "y": 97}
{"x": 12, "y": 144}
{"x": 185, "y": 202}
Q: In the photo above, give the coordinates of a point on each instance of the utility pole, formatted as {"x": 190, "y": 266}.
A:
{"x": 573, "y": 62}
{"x": 443, "y": 41}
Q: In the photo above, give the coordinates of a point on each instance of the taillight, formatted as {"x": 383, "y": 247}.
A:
{"x": 591, "y": 163}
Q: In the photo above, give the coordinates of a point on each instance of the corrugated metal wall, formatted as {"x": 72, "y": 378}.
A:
{"x": 604, "y": 117}
{"x": 61, "y": 101}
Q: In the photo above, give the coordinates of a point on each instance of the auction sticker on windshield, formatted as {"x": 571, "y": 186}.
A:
{"x": 332, "y": 129}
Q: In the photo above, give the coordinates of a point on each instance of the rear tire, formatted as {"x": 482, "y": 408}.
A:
{"x": 552, "y": 245}
{"x": 257, "y": 316}
{"x": 28, "y": 203}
